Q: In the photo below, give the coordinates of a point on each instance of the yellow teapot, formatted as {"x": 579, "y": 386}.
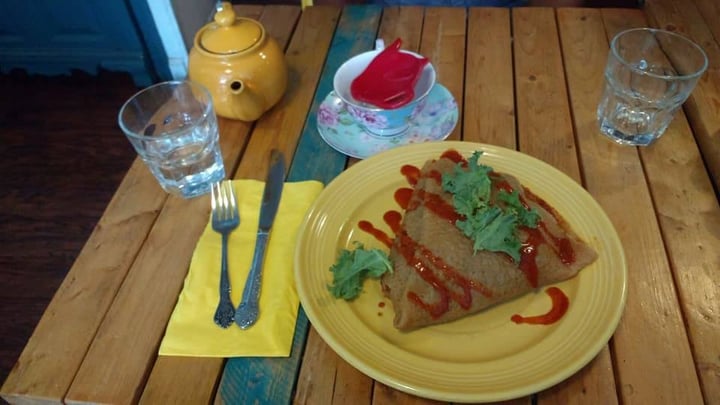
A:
{"x": 241, "y": 65}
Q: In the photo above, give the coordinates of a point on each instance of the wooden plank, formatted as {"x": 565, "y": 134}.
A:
{"x": 650, "y": 367}
{"x": 384, "y": 395}
{"x": 687, "y": 210}
{"x": 125, "y": 346}
{"x": 703, "y": 106}
{"x": 443, "y": 41}
{"x": 53, "y": 354}
{"x": 689, "y": 218}
{"x": 316, "y": 380}
{"x": 285, "y": 121}
{"x": 254, "y": 11}
{"x": 177, "y": 379}
{"x": 581, "y": 33}
{"x": 545, "y": 131}
{"x": 355, "y": 34}
{"x": 405, "y": 23}
{"x": 489, "y": 107}
{"x": 273, "y": 379}
{"x": 543, "y": 114}
{"x": 351, "y": 386}
{"x": 351, "y": 43}
{"x": 124, "y": 349}
{"x": 710, "y": 10}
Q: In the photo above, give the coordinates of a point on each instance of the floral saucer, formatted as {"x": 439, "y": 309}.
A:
{"x": 433, "y": 123}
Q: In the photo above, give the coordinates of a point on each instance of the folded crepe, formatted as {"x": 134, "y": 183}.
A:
{"x": 438, "y": 277}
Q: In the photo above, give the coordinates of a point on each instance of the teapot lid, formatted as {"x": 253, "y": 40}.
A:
{"x": 230, "y": 34}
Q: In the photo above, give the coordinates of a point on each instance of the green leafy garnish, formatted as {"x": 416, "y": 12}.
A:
{"x": 353, "y": 267}
{"x": 490, "y": 225}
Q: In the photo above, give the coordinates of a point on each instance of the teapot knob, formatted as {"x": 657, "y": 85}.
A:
{"x": 225, "y": 15}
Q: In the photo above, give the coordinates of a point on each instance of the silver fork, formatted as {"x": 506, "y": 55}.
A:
{"x": 225, "y": 218}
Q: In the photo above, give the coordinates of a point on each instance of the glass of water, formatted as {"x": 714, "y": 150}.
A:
{"x": 173, "y": 127}
{"x": 649, "y": 75}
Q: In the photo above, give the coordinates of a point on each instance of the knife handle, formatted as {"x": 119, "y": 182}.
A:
{"x": 247, "y": 311}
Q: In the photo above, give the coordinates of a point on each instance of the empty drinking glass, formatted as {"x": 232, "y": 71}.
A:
{"x": 649, "y": 75}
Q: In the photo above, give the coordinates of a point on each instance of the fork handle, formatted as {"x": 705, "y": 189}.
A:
{"x": 247, "y": 311}
{"x": 224, "y": 277}
{"x": 225, "y": 312}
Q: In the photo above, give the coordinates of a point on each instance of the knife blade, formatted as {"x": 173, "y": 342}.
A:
{"x": 248, "y": 311}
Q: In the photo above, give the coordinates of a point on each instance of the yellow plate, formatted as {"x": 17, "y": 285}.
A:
{"x": 483, "y": 357}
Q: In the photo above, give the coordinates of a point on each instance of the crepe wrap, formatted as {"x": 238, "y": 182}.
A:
{"x": 438, "y": 278}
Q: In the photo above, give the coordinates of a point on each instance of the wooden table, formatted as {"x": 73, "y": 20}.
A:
{"x": 526, "y": 79}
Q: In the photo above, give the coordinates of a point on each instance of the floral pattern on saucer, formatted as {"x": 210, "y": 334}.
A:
{"x": 434, "y": 122}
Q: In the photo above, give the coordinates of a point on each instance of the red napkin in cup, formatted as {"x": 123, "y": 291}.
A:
{"x": 389, "y": 80}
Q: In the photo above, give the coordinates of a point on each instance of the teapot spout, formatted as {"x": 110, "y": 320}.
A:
{"x": 247, "y": 104}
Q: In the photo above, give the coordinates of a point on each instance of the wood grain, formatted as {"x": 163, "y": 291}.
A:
{"x": 323, "y": 374}
{"x": 272, "y": 380}
{"x": 581, "y": 36}
{"x": 690, "y": 219}
{"x": 489, "y": 107}
{"x": 614, "y": 176}
{"x": 174, "y": 378}
{"x": 283, "y": 124}
{"x": 149, "y": 294}
{"x": 544, "y": 122}
{"x": 317, "y": 377}
{"x": 98, "y": 340}
{"x": 443, "y": 41}
{"x": 710, "y": 10}
{"x": 405, "y": 23}
{"x": 545, "y": 131}
{"x": 703, "y": 106}
{"x": 384, "y": 395}
{"x": 63, "y": 335}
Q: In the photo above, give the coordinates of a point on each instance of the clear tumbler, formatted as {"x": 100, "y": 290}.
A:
{"x": 649, "y": 75}
{"x": 173, "y": 127}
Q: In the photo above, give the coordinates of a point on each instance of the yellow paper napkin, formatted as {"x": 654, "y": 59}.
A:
{"x": 191, "y": 330}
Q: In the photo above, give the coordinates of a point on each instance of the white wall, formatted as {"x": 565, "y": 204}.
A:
{"x": 177, "y": 21}
{"x": 191, "y": 15}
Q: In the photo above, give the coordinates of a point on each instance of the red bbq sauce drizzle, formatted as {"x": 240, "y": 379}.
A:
{"x": 439, "y": 206}
{"x": 407, "y": 248}
{"x": 403, "y": 196}
{"x": 562, "y": 246}
{"x": 528, "y": 255}
{"x": 455, "y": 156}
{"x": 420, "y": 257}
{"x": 560, "y": 305}
{"x": 411, "y": 173}
{"x": 393, "y": 219}
{"x": 435, "y": 175}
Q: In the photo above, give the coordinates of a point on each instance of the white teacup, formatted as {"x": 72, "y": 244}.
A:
{"x": 376, "y": 120}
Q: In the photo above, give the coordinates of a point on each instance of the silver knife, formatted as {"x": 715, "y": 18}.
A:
{"x": 247, "y": 312}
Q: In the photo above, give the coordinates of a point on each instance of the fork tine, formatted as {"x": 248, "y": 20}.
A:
{"x": 232, "y": 201}
{"x": 225, "y": 201}
{"x": 214, "y": 201}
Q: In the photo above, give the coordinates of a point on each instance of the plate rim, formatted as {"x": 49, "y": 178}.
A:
{"x": 366, "y": 368}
